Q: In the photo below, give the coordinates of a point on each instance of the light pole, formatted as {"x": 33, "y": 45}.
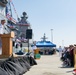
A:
{"x": 51, "y": 35}
{"x": 62, "y": 43}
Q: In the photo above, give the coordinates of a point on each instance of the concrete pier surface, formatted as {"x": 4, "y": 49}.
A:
{"x": 49, "y": 65}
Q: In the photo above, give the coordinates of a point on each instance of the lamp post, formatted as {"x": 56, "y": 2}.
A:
{"x": 51, "y": 35}
{"x": 62, "y": 43}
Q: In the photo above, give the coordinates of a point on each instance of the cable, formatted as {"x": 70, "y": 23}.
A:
{"x": 14, "y": 9}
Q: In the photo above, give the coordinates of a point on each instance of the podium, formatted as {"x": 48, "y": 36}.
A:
{"x": 7, "y": 48}
{"x": 36, "y": 51}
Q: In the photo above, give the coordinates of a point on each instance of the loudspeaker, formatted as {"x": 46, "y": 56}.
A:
{"x": 29, "y": 34}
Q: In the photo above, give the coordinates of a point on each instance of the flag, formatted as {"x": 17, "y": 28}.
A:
{"x": 8, "y": 16}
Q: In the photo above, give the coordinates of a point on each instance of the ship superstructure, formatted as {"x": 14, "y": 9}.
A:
{"x": 3, "y": 4}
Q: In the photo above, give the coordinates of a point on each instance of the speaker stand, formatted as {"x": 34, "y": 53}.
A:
{"x": 28, "y": 45}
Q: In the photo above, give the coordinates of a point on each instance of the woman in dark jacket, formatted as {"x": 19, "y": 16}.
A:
{"x": 72, "y": 55}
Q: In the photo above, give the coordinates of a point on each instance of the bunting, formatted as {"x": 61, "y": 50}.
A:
{"x": 14, "y": 8}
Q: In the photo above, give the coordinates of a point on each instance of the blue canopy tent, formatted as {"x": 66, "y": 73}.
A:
{"x": 46, "y": 47}
{"x": 45, "y": 44}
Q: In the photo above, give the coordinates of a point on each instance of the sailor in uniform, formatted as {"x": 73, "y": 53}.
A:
{"x": 1, "y": 32}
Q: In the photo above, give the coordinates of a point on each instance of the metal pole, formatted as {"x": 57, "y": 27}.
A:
{"x": 51, "y": 35}
{"x": 62, "y": 43}
{"x": 28, "y": 45}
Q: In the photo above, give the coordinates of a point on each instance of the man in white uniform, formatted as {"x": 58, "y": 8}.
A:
{"x": 1, "y": 32}
{"x": 60, "y": 51}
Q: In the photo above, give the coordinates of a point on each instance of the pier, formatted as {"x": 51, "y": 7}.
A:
{"x": 49, "y": 65}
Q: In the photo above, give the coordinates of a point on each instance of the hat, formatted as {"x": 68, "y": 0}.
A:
{"x": 2, "y": 19}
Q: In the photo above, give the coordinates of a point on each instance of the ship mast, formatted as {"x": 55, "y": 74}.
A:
{"x": 44, "y": 37}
